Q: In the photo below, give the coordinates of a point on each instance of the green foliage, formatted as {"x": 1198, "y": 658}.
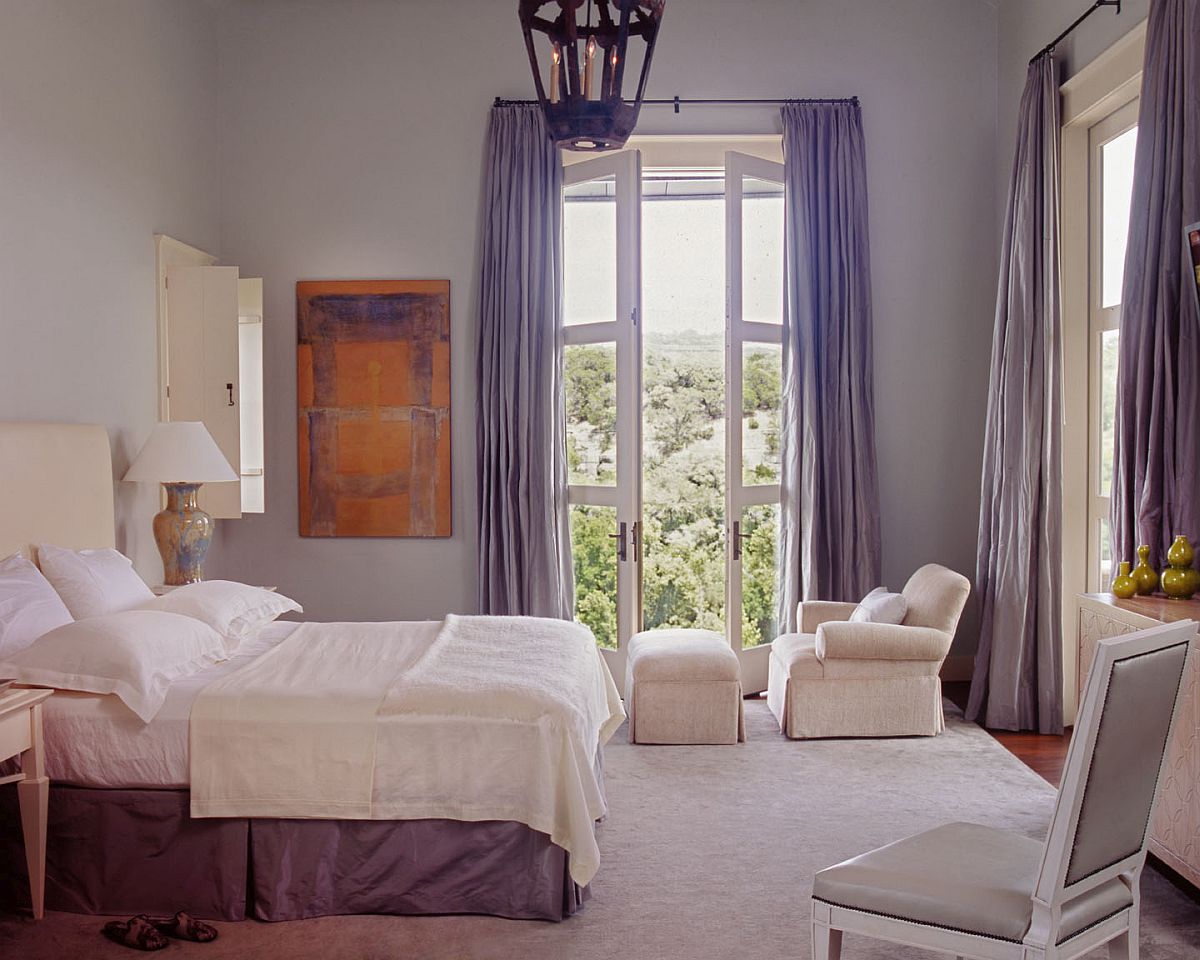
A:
{"x": 760, "y": 382}
{"x": 591, "y": 392}
{"x": 683, "y": 490}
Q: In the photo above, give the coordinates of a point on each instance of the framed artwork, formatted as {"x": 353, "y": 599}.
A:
{"x": 373, "y": 396}
{"x": 1191, "y": 239}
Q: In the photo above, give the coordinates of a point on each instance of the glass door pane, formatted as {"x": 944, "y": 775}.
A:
{"x": 1116, "y": 166}
{"x": 590, "y": 381}
{"x": 590, "y": 256}
{"x": 762, "y": 250}
{"x": 595, "y": 570}
{"x": 760, "y": 579}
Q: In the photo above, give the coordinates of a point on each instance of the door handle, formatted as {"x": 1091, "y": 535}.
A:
{"x": 622, "y": 539}
{"x": 229, "y": 387}
{"x": 738, "y": 536}
{"x": 637, "y": 541}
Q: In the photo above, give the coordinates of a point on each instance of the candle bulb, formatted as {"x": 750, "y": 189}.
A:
{"x": 555, "y": 67}
{"x": 612, "y": 61}
{"x": 587, "y": 67}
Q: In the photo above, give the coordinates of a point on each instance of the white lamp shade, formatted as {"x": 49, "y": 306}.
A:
{"x": 181, "y": 452}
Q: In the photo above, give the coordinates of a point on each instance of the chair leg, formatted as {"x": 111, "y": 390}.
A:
{"x": 826, "y": 942}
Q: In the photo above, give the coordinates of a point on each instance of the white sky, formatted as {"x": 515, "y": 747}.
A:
{"x": 683, "y": 266}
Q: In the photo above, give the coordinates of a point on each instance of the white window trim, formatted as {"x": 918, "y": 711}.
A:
{"x": 1108, "y": 83}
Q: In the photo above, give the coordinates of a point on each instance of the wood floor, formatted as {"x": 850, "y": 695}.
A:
{"x": 1043, "y": 754}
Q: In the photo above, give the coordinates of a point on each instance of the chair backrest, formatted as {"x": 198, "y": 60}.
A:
{"x": 1114, "y": 764}
{"x": 936, "y": 596}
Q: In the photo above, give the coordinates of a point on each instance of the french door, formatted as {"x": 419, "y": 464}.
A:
{"x": 754, "y": 288}
{"x": 672, "y": 417}
{"x": 601, "y": 334}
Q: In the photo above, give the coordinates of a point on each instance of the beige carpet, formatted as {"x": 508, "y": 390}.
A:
{"x": 708, "y": 853}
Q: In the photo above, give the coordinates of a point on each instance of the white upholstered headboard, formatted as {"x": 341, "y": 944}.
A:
{"x": 56, "y": 486}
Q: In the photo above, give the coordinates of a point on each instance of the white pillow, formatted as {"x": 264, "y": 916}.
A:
{"x": 93, "y": 582}
{"x": 879, "y": 606}
{"x": 236, "y": 611}
{"x": 134, "y": 654}
{"x": 29, "y": 607}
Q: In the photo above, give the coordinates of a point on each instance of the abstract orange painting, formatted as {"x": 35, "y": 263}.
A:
{"x": 373, "y": 385}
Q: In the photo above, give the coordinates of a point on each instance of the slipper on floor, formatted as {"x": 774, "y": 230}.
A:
{"x": 137, "y": 933}
{"x": 184, "y": 927}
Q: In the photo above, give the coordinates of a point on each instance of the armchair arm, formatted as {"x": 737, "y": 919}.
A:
{"x": 880, "y": 641}
{"x": 810, "y": 614}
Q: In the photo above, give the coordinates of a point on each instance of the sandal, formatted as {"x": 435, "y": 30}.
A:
{"x": 183, "y": 927}
{"x": 137, "y": 933}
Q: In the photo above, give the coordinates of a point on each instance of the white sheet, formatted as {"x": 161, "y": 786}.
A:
{"x": 484, "y": 719}
{"x": 94, "y": 740}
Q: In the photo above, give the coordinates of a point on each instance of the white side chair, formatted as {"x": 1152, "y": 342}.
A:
{"x": 975, "y": 891}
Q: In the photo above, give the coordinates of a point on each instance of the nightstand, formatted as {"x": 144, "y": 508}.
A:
{"x": 21, "y": 733}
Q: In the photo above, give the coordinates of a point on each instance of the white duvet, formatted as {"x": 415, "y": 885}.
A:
{"x": 476, "y": 718}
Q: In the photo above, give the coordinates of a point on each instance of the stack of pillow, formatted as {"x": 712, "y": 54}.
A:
{"x": 86, "y": 621}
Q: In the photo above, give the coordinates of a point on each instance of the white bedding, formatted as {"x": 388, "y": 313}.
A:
{"x": 94, "y": 740}
{"x": 481, "y": 718}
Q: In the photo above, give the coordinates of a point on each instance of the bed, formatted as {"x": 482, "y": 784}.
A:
{"x": 123, "y": 838}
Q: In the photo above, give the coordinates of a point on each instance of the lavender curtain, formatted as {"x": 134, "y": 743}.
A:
{"x": 524, "y": 547}
{"x": 1156, "y": 466}
{"x": 829, "y": 514}
{"x": 1017, "y": 683}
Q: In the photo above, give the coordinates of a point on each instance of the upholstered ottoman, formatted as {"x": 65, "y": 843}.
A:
{"x": 683, "y": 686}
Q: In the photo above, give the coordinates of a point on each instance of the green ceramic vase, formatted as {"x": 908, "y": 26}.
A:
{"x": 1124, "y": 586}
{"x": 1145, "y": 575}
{"x": 1179, "y": 580}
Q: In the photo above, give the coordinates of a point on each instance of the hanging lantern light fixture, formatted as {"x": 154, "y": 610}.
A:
{"x": 586, "y": 111}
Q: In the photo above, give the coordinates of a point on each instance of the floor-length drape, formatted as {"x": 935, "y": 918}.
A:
{"x": 829, "y": 514}
{"x": 1156, "y": 464}
{"x": 524, "y": 546}
{"x": 1017, "y": 683}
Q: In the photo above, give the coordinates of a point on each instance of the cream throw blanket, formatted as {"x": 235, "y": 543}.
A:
{"x": 484, "y": 718}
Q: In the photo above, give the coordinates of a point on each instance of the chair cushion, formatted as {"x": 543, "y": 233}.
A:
{"x": 680, "y": 655}
{"x": 961, "y": 876}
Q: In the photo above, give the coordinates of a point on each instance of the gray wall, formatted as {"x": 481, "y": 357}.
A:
{"x": 1025, "y": 26}
{"x": 351, "y": 144}
{"x": 108, "y": 125}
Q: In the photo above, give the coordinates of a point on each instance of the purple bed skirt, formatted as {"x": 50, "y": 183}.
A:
{"x": 123, "y": 852}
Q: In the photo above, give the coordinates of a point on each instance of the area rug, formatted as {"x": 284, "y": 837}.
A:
{"x": 708, "y": 852}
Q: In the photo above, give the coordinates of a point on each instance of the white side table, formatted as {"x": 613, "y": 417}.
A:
{"x": 21, "y": 733}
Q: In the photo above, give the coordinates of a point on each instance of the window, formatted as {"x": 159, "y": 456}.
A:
{"x": 1112, "y": 144}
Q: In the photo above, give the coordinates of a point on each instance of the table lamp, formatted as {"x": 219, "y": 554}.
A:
{"x": 181, "y": 456}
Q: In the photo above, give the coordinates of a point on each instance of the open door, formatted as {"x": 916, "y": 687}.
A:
{"x": 754, "y": 281}
{"x": 602, "y": 338}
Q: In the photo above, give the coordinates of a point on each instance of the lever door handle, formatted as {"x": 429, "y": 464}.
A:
{"x": 622, "y": 539}
{"x": 738, "y": 536}
{"x": 229, "y": 387}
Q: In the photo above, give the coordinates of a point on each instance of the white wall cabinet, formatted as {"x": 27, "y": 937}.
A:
{"x": 210, "y": 366}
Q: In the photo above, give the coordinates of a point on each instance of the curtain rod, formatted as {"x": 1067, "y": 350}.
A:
{"x": 677, "y": 102}
{"x": 1071, "y": 29}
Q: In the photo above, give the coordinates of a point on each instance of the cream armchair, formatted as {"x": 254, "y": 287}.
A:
{"x": 840, "y": 679}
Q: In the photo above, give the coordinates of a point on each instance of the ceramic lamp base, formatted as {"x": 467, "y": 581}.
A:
{"x": 183, "y": 532}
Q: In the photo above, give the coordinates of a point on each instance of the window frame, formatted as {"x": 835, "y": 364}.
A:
{"x": 1104, "y": 86}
